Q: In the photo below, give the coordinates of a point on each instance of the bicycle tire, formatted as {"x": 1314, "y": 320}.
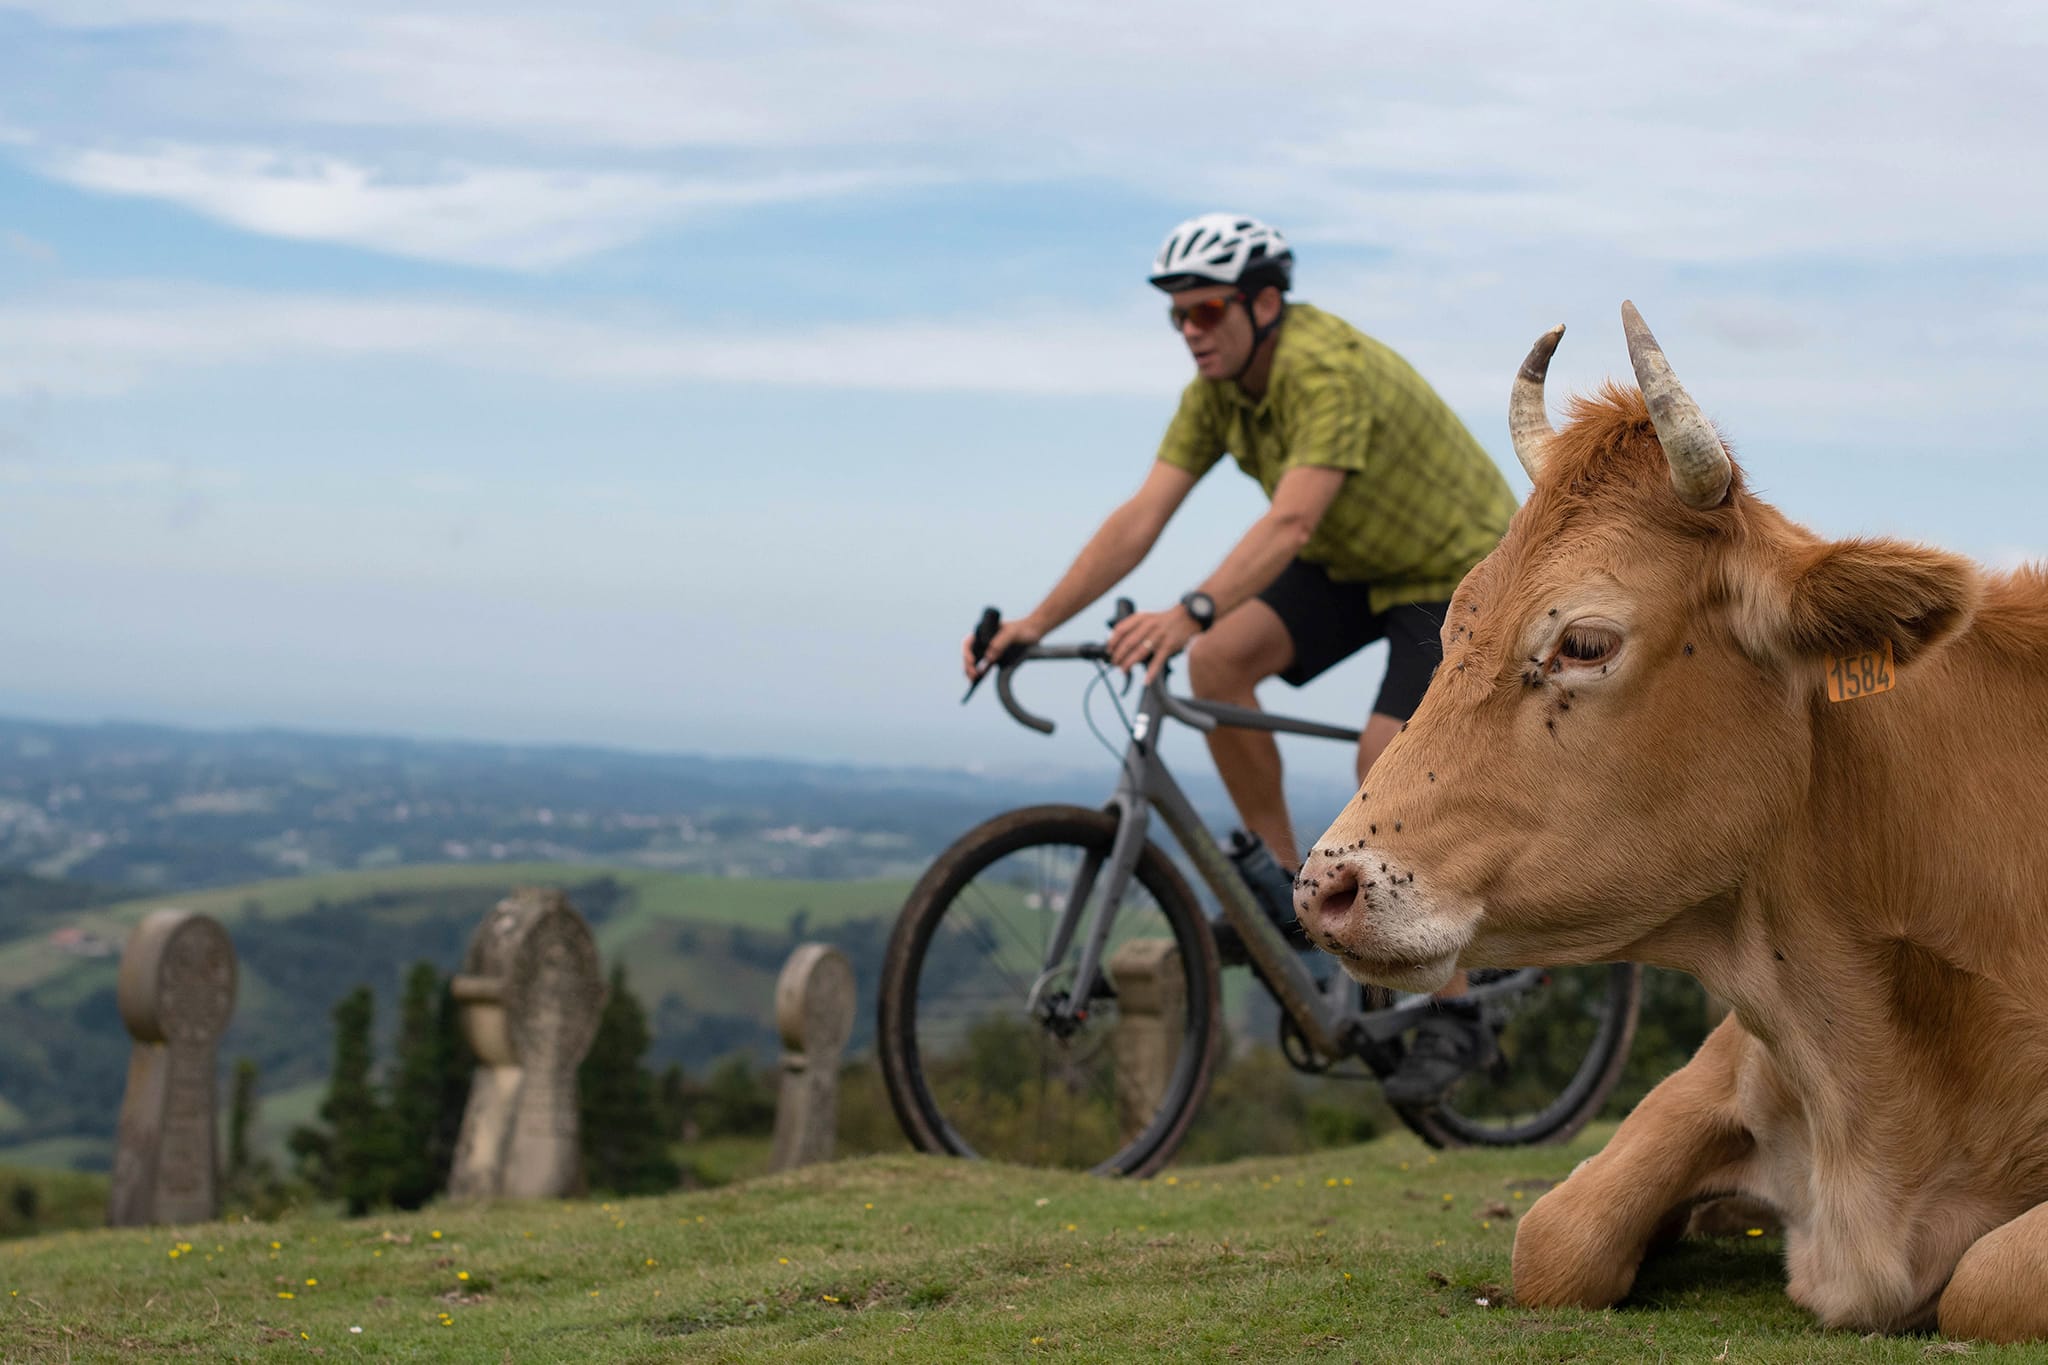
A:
{"x": 1598, "y": 1071}
{"x": 904, "y": 1065}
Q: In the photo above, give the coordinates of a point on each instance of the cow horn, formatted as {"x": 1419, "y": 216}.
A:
{"x": 1528, "y": 423}
{"x": 1700, "y": 470}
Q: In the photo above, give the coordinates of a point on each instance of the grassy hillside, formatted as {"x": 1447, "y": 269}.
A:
{"x": 1377, "y": 1253}
{"x": 701, "y": 952}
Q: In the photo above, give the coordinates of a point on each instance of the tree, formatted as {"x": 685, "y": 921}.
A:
{"x": 672, "y": 1099}
{"x": 736, "y": 1099}
{"x": 361, "y": 1151}
{"x": 241, "y": 1114}
{"x": 625, "y": 1141}
{"x": 458, "y": 1068}
{"x": 419, "y": 1162}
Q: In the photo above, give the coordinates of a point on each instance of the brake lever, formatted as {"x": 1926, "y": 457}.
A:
{"x": 984, "y": 633}
{"x": 1124, "y": 607}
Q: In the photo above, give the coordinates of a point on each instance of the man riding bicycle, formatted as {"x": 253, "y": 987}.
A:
{"x": 1381, "y": 502}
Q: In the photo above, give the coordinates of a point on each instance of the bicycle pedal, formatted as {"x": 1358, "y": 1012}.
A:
{"x": 1230, "y": 950}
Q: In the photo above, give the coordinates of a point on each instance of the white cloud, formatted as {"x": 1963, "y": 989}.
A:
{"x": 1705, "y": 130}
{"x": 113, "y": 343}
{"x": 510, "y": 217}
{"x": 1826, "y": 374}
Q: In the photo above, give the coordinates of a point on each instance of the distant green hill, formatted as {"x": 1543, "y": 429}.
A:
{"x": 701, "y": 952}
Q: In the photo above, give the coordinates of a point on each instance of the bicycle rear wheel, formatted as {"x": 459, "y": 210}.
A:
{"x": 973, "y": 1072}
{"x": 1562, "y": 1045}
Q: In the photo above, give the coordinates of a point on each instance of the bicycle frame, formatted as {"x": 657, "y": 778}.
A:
{"x": 1324, "y": 1013}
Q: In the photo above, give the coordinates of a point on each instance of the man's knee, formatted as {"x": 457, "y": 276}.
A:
{"x": 1222, "y": 667}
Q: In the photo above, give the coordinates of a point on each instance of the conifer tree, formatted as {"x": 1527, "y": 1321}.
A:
{"x": 419, "y": 1163}
{"x": 672, "y": 1098}
{"x": 458, "y": 1067}
{"x": 625, "y": 1142}
{"x": 360, "y": 1153}
{"x": 241, "y": 1114}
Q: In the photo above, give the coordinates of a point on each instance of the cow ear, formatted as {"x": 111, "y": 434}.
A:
{"x": 1845, "y": 596}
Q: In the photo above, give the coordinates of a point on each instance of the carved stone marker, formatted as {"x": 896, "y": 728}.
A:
{"x": 176, "y": 992}
{"x": 814, "y": 1002}
{"x": 1151, "y": 1027}
{"x": 530, "y": 991}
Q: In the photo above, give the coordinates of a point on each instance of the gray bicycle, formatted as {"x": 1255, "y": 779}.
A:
{"x": 1000, "y": 1028}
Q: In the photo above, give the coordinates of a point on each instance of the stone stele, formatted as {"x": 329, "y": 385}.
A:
{"x": 176, "y": 993}
{"x": 530, "y": 990}
{"x": 814, "y": 1002}
{"x": 1151, "y": 1027}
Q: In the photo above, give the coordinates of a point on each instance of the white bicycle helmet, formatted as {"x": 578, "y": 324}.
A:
{"x": 1221, "y": 248}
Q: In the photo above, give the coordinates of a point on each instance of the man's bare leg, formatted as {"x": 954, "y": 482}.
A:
{"x": 1227, "y": 664}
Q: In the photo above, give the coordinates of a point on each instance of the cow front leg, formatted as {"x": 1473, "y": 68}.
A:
{"x": 1580, "y": 1245}
{"x": 1999, "y": 1291}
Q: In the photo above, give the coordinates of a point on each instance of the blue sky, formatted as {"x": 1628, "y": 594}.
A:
{"x": 688, "y": 376}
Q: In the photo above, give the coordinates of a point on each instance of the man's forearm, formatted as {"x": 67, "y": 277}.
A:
{"x": 1256, "y": 560}
{"x": 1113, "y": 551}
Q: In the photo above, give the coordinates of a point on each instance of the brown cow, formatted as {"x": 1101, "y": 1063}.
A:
{"x": 1629, "y": 754}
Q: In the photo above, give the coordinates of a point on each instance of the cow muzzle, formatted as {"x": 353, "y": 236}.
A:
{"x": 1385, "y": 925}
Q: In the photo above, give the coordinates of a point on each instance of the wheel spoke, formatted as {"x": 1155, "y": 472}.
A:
{"x": 998, "y": 1082}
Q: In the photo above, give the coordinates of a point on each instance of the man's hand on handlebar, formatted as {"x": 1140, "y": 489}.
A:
{"x": 1157, "y": 635}
{"x": 1010, "y": 634}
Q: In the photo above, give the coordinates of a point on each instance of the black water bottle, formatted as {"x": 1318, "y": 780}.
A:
{"x": 1270, "y": 883}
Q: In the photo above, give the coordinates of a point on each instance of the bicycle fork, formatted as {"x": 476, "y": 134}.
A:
{"x": 1096, "y": 912}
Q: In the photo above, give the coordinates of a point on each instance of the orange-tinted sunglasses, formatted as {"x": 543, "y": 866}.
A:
{"x": 1205, "y": 315}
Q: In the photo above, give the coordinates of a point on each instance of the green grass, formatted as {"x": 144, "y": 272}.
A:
{"x": 57, "y": 1199}
{"x": 1345, "y": 1256}
{"x": 60, "y": 1153}
{"x": 655, "y": 902}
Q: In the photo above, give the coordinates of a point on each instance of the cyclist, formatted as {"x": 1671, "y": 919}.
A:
{"x": 1380, "y": 503}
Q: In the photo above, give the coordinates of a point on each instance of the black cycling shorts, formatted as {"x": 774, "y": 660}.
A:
{"x": 1329, "y": 622}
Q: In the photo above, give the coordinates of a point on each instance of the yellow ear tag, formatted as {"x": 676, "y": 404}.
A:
{"x": 1861, "y": 675}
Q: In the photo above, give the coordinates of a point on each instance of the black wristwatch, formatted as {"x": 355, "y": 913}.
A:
{"x": 1202, "y": 607}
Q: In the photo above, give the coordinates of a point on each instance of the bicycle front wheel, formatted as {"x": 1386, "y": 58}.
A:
{"x": 976, "y": 1067}
{"x": 1561, "y": 1048}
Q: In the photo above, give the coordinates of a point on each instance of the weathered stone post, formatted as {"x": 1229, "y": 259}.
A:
{"x": 530, "y": 990}
{"x": 176, "y": 992}
{"x": 1151, "y": 1023}
{"x": 814, "y": 1003}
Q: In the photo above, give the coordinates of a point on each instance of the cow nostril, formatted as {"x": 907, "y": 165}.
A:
{"x": 1328, "y": 899}
{"x": 1338, "y": 904}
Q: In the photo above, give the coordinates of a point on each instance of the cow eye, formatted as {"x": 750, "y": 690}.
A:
{"x": 1587, "y": 645}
